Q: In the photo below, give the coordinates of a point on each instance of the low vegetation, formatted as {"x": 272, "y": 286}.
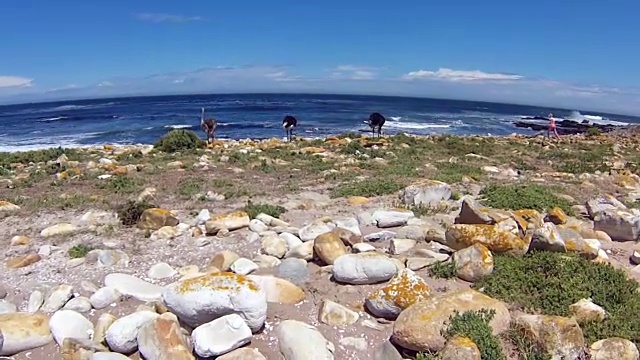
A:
{"x": 523, "y": 196}
{"x": 549, "y": 282}
{"x": 368, "y": 188}
{"x": 130, "y": 212}
{"x": 79, "y": 251}
{"x": 475, "y": 326}
{"x": 179, "y": 140}
{"x": 443, "y": 270}
{"x": 254, "y": 209}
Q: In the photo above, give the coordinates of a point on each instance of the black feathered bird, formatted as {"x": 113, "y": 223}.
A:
{"x": 209, "y": 127}
{"x": 288, "y": 123}
{"x": 376, "y": 120}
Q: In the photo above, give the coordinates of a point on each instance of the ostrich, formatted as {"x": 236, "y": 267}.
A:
{"x": 288, "y": 123}
{"x": 209, "y": 127}
{"x": 376, "y": 120}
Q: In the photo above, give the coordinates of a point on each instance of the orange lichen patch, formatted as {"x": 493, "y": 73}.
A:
{"x": 227, "y": 215}
{"x": 4, "y": 203}
{"x": 557, "y": 216}
{"x": 109, "y": 147}
{"x": 120, "y": 170}
{"x": 462, "y": 341}
{"x": 403, "y": 291}
{"x": 496, "y": 240}
{"x": 222, "y": 281}
{"x": 485, "y": 254}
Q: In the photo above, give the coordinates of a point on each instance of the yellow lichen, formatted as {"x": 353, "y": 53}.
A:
{"x": 223, "y": 281}
{"x": 403, "y": 291}
{"x": 232, "y": 214}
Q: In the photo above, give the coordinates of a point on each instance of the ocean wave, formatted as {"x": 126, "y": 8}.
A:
{"x": 56, "y": 118}
{"x": 395, "y": 118}
{"x": 416, "y": 126}
{"x": 179, "y": 126}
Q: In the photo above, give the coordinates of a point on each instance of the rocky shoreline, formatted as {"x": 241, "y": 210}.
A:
{"x": 343, "y": 248}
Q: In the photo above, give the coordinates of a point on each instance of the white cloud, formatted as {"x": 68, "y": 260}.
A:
{"x": 460, "y": 75}
{"x": 14, "y": 81}
{"x": 352, "y": 72}
{"x": 171, "y": 18}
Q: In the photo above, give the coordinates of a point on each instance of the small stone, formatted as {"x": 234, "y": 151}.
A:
{"x": 228, "y": 221}
{"x": 303, "y": 251}
{"x": 357, "y": 200}
{"x": 399, "y": 246}
{"x": 59, "y": 230}
{"x": 266, "y": 261}
{"x": 19, "y": 240}
{"x": 426, "y": 193}
{"x": 161, "y": 271}
{"x": 301, "y": 341}
{"x": 104, "y": 297}
{"x": 350, "y": 224}
{"x": 380, "y": 236}
{"x": 70, "y": 324}
{"x": 274, "y": 246}
{"x": 224, "y": 259}
{"x": 80, "y": 304}
{"x": 244, "y": 266}
{"x": 57, "y": 298}
{"x": 258, "y": 226}
{"x": 104, "y": 322}
{"x": 221, "y": 336}
{"x": 291, "y": 240}
{"x": 585, "y": 311}
{"x": 294, "y": 270}
{"x": 7, "y": 307}
{"x": 334, "y": 314}
{"x": 359, "y": 344}
{"x": 36, "y": 299}
{"x": 391, "y": 218}
{"x": 156, "y": 218}
{"x": 313, "y": 230}
{"x": 73, "y": 263}
{"x": 557, "y": 216}
{"x": 22, "y": 261}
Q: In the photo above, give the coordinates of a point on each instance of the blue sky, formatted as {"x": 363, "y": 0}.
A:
{"x": 537, "y": 52}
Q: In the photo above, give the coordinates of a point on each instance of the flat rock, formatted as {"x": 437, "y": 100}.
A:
{"x": 365, "y": 268}
{"x": 301, "y": 341}
{"x": 161, "y": 271}
{"x": 391, "y": 218}
{"x": 132, "y": 286}
{"x": 58, "y": 296}
{"x": 279, "y": 290}
{"x": 104, "y": 297}
{"x": 22, "y": 331}
{"x": 70, "y": 324}
{"x": 317, "y": 227}
{"x": 620, "y": 225}
{"x": 229, "y": 221}
{"x": 162, "y": 339}
{"x": 221, "y": 336}
{"x": 59, "y": 230}
{"x": 122, "y": 335}
{"x": 332, "y": 313}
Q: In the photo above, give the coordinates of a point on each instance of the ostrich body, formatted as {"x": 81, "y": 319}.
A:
{"x": 376, "y": 120}
{"x": 288, "y": 123}
{"x": 209, "y": 127}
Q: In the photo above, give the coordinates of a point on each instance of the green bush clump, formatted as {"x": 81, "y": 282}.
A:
{"x": 80, "y": 250}
{"x": 254, "y": 209}
{"x": 130, "y": 212}
{"x": 368, "y": 188}
{"x": 179, "y": 140}
{"x": 523, "y": 196}
{"x": 475, "y": 326}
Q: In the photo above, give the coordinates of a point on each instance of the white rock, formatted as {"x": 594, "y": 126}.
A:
{"x": 161, "y": 271}
{"x": 257, "y": 226}
{"x": 620, "y": 225}
{"x": 132, "y": 286}
{"x": 300, "y": 341}
{"x": 427, "y": 193}
{"x": 391, "y": 218}
{"x": 36, "y": 299}
{"x": 44, "y": 251}
{"x": 202, "y": 217}
{"x": 104, "y": 297}
{"x": 244, "y": 266}
{"x": 252, "y": 237}
{"x": 266, "y": 261}
{"x": 367, "y": 268}
{"x": 58, "y": 230}
{"x": 291, "y": 240}
{"x": 80, "y": 304}
{"x": 399, "y": 246}
{"x": 274, "y": 246}
{"x": 350, "y": 224}
{"x": 58, "y": 297}
{"x": 199, "y": 300}
{"x": 109, "y": 356}
{"x": 359, "y": 344}
{"x": 22, "y": 332}
{"x": 265, "y": 218}
{"x": 70, "y": 324}
{"x": 363, "y": 247}
{"x": 220, "y": 336}
{"x": 311, "y": 231}
{"x": 7, "y": 307}
{"x": 122, "y": 335}
{"x": 380, "y": 236}
{"x": 303, "y": 251}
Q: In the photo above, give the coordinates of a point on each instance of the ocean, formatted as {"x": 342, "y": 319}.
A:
{"x": 143, "y": 120}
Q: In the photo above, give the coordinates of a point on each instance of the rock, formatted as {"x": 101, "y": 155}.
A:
{"x": 575, "y": 243}
{"x": 328, "y": 247}
{"x": 460, "y": 348}
{"x": 312, "y": 231}
{"x": 366, "y": 268}
{"x": 291, "y": 240}
{"x": 416, "y": 263}
{"x": 294, "y": 270}
{"x": 279, "y": 290}
{"x": 426, "y": 193}
{"x": 274, "y": 246}
{"x": 21, "y": 332}
{"x": 413, "y": 232}
{"x": 201, "y": 299}
{"x": 132, "y": 286}
{"x": 558, "y": 336}
{"x": 108, "y": 258}
{"x": 359, "y": 344}
{"x": 20, "y": 240}
{"x": 156, "y": 218}
{"x": 162, "y": 339}
{"x": 58, "y": 296}
{"x": 122, "y": 335}
{"x": 266, "y": 261}
{"x": 460, "y": 236}
{"x": 357, "y": 200}
{"x": 230, "y": 221}
{"x": 244, "y": 266}
{"x": 556, "y": 216}
{"x": 301, "y": 341}
{"x": 548, "y": 238}
{"x": 22, "y": 261}
{"x": 7, "y": 307}
{"x": 620, "y": 225}
{"x": 303, "y": 251}
{"x": 350, "y": 224}
{"x": 403, "y": 290}
{"x": 70, "y": 324}
{"x": 109, "y": 356}
{"x": 243, "y": 354}
{"x": 104, "y": 297}
{"x": 348, "y": 237}
{"x": 602, "y": 203}
{"x": 585, "y": 311}
{"x": 74, "y": 348}
{"x": 161, "y": 271}
{"x": 104, "y": 322}
{"x": 7, "y": 207}
{"x": 398, "y": 246}
{"x": 473, "y": 263}
{"x": 202, "y": 217}
{"x": 380, "y": 236}
{"x": 363, "y": 247}
{"x": 80, "y": 304}
{"x": 471, "y": 213}
{"x": 220, "y": 336}
{"x": 419, "y": 327}
{"x": 36, "y": 299}
{"x": 334, "y": 314}
{"x": 440, "y": 256}
{"x": 223, "y": 260}
{"x": 257, "y": 226}
{"x": 73, "y": 263}
{"x": 391, "y": 218}
{"x": 59, "y": 230}
{"x": 387, "y": 351}
{"x": 613, "y": 349}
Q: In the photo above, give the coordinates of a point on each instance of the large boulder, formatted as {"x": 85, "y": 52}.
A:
{"x": 560, "y": 337}
{"x": 498, "y": 241}
{"x": 602, "y": 203}
{"x": 22, "y": 331}
{"x": 620, "y": 225}
{"x": 364, "y": 268}
{"x": 155, "y": 218}
{"x": 201, "y": 299}
{"x": 402, "y": 291}
{"x": 229, "y": 221}
{"x": 426, "y": 193}
{"x": 420, "y": 326}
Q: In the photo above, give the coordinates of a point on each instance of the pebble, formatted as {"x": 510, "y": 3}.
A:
{"x": 161, "y": 271}
{"x": 58, "y": 297}
{"x": 221, "y": 336}
{"x": 134, "y": 287}
{"x": 70, "y": 324}
{"x": 80, "y": 304}
{"x": 244, "y": 266}
{"x": 104, "y": 297}
{"x": 36, "y": 299}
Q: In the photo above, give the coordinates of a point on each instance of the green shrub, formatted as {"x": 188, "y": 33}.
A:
{"x": 443, "y": 270}
{"x": 452, "y": 173}
{"x": 549, "y": 282}
{"x": 190, "y": 186}
{"x": 524, "y": 347}
{"x": 368, "y": 188}
{"x": 523, "y": 196}
{"x": 35, "y": 156}
{"x": 122, "y": 184}
{"x": 130, "y": 212}
{"x": 591, "y": 132}
{"x": 254, "y": 209}
{"x": 475, "y": 326}
{"x": 179, "y": 140}
{"x": 80, "y": 250}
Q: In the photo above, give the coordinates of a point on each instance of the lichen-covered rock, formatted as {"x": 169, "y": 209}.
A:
{"x": 602, "y": 203}
{"x": 560, "y": 337}
{"x": 22, "y": 261}
{"x": 328, "y": 247}
{"x": 162, "y": 339}
{"x": 473, "y": 263}
{"x": 460, "y": 348}
{"x": 227, "y": 221}
{"x": 574, "y": 242}
{"x": 204, "y": 298}
{"x": 548, "y": 238}
{"x": 7, "y": 207}
{"x": 530, "y": 216}
{"x": 155, "y": 218}
{"x": 557, "y": 216}
{"x": 419, "y": 327}
{"x": 403, "y": 290}
{"x": 426, "y": 193}
{"x": 614, "y": 349}
{"x": 586, "y": 311}
{"x": 22, "y": 331}
{"x": 460, "y": 236}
